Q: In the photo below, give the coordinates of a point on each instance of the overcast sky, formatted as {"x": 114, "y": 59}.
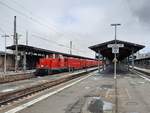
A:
{"x": 52, "y": 24}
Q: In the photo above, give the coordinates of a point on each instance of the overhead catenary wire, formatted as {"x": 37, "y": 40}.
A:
{"x": 36, "y": 21}
{"x": 37, "y": 17}
{"x": 33, "y": 19}
{"x": 2, "y": 31}
{"x": 58, "y": 44}
{"x": 31, "y": 13}
{"x": 43, "y": 22}
{"x": 54, "y": 42}
{"x": 29, "y": 17}
{"x": 38, "y": 35}
{"x": 68, "y": 47}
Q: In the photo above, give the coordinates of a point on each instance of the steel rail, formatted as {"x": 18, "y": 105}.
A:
{"x": 17, "y": 94}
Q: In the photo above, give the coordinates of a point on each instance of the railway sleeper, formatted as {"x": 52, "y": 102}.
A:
{"x": 11, "y": 96}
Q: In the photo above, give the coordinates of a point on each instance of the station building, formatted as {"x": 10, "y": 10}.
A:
{"x": 10, "y": 61}
{"x": 29, "y": 56}
{"x": 129, "y": 49}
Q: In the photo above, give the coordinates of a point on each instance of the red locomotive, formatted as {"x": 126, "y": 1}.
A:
{"x": 59, "y": 63}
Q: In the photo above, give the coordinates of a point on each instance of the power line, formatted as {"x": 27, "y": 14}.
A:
{"x": 29, "y": 17}
{"x": 58, "y": 44}
{"x": 30, "y": 12}
{"x": 41, "y": 19}
{"x": 51, "y": 41}
{"x": 5, "y": 24}
{"x": 2, "y": 30}
{"x": 43, "y": 38}
{"x": 36, "y": 21}
{"x": 34, "y": 35}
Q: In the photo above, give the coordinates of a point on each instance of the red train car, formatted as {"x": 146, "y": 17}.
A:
{"x": 60, "y": 63}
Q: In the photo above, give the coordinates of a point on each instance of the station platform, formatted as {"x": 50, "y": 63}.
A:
{"x": 12, "y": 76}
{"x": 18, "y": 85}
{"x": 80, "y": 94}
{"x": 147, "y": 71}
{"x": 9, "y": 73}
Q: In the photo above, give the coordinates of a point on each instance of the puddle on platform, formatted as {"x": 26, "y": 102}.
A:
{"x": 107, "y": 106}
{"x": 92, "y": 104}
{"x": 87, "y": 87}
{"x": 107, "y": 86}
{"x": 97, "y": 105}
{"x": 141, "y": 82}
{"x": 98, "y": 74}
{"x": 133, "y": 112}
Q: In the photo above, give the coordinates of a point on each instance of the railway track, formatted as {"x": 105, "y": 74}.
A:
{"x": 145, "y": 74}
{"x": 20, "y": 76}
{"x": 17, "y": 94}
{"x": 17, "y": 77}
{"x": 142, "y": 74}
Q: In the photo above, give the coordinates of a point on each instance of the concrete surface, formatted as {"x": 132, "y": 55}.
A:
{"x": 17, "y": 85}
{"x": 9, "y": 73}
{"x": 133, "y": 95}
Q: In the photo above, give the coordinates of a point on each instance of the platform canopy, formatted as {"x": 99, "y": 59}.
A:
{"x": 36, "y": 50}
{"x": 123, "y": 52}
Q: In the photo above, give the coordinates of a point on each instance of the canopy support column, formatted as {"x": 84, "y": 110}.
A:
{"x": 99, "y": 61}
{"x": 24, "y": 61}
{"x": 128, "y": 62}
{"x": 103, "y": 63}
{"x": 132, "y": 59}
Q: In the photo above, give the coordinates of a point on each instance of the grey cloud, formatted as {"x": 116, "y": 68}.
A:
{"x": 140, "y": 9}
{"x": 85, "y": 22}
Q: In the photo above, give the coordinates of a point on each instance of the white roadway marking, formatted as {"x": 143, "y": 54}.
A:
{"x": 23, "y": 106}
{"x": 128, "y": 93}
{"x": 145, "y": 78}
{"x": 140, "y": 74}
{"x": 107, "y": 93}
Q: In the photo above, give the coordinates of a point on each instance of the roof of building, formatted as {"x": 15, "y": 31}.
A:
{"x": 140, "y": 59}
{"x": 3, "y": 53}
{"x": 123, "y": 52}
{"x": 37, "y": 50}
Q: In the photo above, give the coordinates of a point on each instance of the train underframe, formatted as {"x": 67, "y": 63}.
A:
{"x": 47, "y": 71}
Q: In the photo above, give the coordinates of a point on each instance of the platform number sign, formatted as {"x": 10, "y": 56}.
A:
{"x": 115, "y": 47}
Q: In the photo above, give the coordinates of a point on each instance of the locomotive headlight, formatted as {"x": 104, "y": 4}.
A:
{"x": 42, "y": 65}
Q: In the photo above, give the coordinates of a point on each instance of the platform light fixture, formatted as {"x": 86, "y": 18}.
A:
{"x": 115, "y": 25}
{"x": 115, "y": 62}
{"x": 115, "y": 29}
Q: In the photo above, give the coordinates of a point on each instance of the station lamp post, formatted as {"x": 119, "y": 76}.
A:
{"x": 115, "y": 59}
{"x": 16, "y": 50}
{"x": 115, "y": 62}
{"x": 115, "y": 25}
